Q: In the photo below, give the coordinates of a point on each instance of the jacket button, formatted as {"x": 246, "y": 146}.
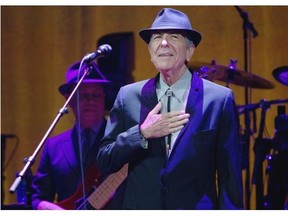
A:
{"x": 165, "y": 189}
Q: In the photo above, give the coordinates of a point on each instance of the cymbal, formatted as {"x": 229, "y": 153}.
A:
{"x": 212, "y": 72}
{"x": 281, "y": 74}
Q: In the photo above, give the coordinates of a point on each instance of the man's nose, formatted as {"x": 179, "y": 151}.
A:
{"x": 164, "y": 42}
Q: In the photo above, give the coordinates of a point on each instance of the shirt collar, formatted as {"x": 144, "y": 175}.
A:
{"x": 178, "y": 88}
{"x": 94, "y": 128}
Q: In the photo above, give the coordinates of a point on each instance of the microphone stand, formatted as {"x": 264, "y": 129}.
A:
{"x": 26, "y": 173}
{"x": 247, "y": 25}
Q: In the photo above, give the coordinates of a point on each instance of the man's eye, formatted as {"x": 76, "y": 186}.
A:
{"x": 174, "y": 36}
{"x": 156, "y": 37}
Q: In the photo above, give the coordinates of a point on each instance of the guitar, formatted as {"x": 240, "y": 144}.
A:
{"x": 98, "y": 196}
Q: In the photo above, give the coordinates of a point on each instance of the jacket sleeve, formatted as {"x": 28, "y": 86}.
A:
{"x": 229, "y": 168}
{"x": 121, "y": 141}
{"x": 42, "y": 188}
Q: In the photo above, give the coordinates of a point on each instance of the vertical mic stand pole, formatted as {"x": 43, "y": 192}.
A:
{"x": 247, "y": 25}
{"x": 29, "y": 161}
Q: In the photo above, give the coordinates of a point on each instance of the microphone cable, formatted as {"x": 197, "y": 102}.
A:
{"x": 80, "y": 137}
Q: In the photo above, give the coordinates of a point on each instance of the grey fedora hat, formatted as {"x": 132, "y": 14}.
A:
{"x": 171, "y": 19}
{"x": 94, "y": 76}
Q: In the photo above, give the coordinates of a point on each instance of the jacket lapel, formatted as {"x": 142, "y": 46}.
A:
{"x": 68, "y": 150}
{"x": 148, "y": 102}
{"x": 148, "y": 98}
{"x": 194, "y": 98}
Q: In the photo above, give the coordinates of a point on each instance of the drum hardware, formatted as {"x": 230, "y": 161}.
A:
{"x": 281, "y": 74}
{"x": 277, "y": 180}
{"x": 205, "y": 70}
{"x": 262, "y": 103}
{"x": 231, "y": 71}
{"x": 277, "y": 168}
{"x": 281, "y": 130}
{"x": 262, "y": 146}
{"x": 230, "y": 74}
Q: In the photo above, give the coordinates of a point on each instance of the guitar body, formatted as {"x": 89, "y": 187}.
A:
{"x": 91, "y": 181}
{"x": 97, "y": 195}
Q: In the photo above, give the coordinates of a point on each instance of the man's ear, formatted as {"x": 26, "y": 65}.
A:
{"x": 189, "y": 53}
{"x": 149, "y": 49}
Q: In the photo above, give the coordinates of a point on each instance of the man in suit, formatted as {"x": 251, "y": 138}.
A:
{"x": 68, "y": 159}
{"x": 178, "y": 132}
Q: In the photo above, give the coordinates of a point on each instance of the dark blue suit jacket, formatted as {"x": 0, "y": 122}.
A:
{"x": 204, "y": 168}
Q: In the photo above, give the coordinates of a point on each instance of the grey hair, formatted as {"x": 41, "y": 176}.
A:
{"x": 189, "y": 42}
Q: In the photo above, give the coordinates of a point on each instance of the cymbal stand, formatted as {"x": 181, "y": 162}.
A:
{"x": 231, "y": 71}
{"x": 247, "y": 25}
{"x": 26, "y": 171}
{"x": 261, "y": 149}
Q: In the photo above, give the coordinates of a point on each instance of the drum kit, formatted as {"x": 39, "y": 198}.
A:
{"x": 274, "y": 151}
{"x": 231, "y": 75}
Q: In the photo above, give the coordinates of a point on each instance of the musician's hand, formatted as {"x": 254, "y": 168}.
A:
{"x": 159, "y": 125}
{"x": 45, "y": 205}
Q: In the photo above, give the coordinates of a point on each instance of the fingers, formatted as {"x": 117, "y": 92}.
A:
{"x": 159, "y": 125}
{"x": 176, "y": 123}
{"x": 175, "y": 129}
{"x": 175, "y": 116}
{"x": 177, "y": 120}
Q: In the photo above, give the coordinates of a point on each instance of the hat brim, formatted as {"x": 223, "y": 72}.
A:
{"x": 193, "y": 35}
{"x": 67, "y": 87}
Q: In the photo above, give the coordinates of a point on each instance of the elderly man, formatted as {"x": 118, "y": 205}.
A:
{"x": 178, "y": 132}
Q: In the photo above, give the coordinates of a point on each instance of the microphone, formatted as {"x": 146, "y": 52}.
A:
{"x": 102, "y": 51}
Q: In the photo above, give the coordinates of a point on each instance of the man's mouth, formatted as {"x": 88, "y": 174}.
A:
{"x": 165, "y": 55}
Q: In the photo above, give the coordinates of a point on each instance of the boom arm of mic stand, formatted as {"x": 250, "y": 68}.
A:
{"x": 246, "y": 22}
{"x": 31, "y": 159}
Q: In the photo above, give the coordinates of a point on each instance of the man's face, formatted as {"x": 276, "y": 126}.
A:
{"x": 169, "y": 50}
{"x": 91, "y": 104}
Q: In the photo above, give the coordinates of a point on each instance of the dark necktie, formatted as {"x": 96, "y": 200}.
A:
{"x": 169, "y": 94}
{"x": 87, "y": 139}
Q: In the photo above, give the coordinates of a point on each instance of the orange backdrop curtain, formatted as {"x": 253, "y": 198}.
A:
{"x": 40, "y": 42}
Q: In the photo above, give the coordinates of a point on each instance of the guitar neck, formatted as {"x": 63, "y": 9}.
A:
{"x": 103, "y": 193}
